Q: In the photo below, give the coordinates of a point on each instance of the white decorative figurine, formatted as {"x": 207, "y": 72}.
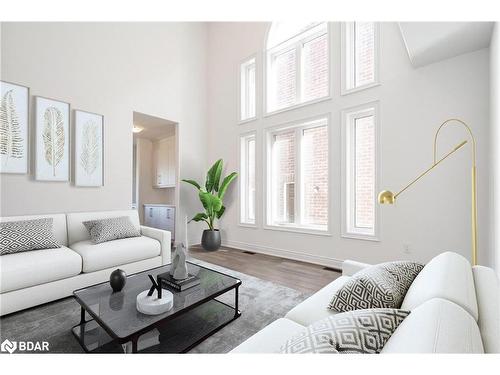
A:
{"x": 178, "y": 269}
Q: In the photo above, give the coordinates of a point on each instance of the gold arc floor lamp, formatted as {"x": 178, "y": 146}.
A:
{"x": 388, "y": 197}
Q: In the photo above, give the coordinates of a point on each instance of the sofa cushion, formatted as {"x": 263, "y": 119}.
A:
{"x": 58, "y": 224}
{"x": 27, "y": 235}
{"x": 114, "y": 228}
{"x": 488, "y": 303}
{"x": 271, "y": 338}
{"x": 77, "y": 231}
{"x": 436, "y": 326}
{"x": 96, "y": 257}
{"x": 380, "y": 286}
{"x": 315, "y": 307}
{"x": 448, "y": 276}
{"x": 352, "y": 332}
{"x": 21, "y": 270}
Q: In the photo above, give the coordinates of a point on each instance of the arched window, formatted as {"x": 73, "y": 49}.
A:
{"x": 297, "y": 64}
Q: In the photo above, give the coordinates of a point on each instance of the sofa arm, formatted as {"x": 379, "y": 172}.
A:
{"x": 350, "y": 267}
{"x": 164, "y": 236}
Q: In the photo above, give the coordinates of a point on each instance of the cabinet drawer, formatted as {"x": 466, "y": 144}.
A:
{"x": 149, "y": 216}
{"x": 160, "y": 217}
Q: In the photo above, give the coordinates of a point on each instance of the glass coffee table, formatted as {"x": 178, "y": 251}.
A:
{"x": 116, "y": 326}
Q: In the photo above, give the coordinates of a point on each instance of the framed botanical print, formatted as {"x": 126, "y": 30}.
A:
{"x": 52, "y": 119}
{"x": 89, "y": 149}
{"x": 14, "y": 124}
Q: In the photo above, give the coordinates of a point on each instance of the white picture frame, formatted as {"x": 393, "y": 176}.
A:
{"x": 52, "y": 143}
{"x": 89, "y": 149}
{"x": 14, "y": 128}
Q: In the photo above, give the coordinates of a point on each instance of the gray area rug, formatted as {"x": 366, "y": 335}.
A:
{"x": 260, "y": 302}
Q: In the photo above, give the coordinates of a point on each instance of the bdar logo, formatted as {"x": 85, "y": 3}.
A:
{"x": 8, "y": 346}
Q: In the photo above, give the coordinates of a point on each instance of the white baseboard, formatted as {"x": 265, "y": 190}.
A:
{"x": 288, "y": 254}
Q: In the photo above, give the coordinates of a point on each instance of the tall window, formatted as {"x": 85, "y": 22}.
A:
{"x": 360, "y": 172}
{"x": 297, "y": 160}
{"x": 359, "y": 55}
{"x": 247, "y": 94}
{"x": 247, "y": 179}
{"x": 297, "y": 64}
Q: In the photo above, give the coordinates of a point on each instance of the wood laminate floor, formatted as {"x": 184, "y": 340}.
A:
{"x": 305, "y": 277}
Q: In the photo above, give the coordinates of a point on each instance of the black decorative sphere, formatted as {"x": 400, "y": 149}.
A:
{"x": 117, "y": 280}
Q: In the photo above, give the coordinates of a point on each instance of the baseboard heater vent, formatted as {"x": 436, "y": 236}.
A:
{"x": 332, "y": 269}
{"x": 249, "y": 252}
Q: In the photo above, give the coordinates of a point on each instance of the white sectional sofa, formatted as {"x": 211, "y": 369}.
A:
{"x": 34, "y": 277}
{"x": 455, "y": 308}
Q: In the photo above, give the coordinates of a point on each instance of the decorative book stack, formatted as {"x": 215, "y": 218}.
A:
{"x": 178, "y": 285}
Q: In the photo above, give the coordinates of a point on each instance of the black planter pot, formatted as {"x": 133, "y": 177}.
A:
{"x": 210, "y": 240}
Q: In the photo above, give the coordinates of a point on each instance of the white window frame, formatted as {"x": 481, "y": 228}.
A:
{"x": 299, "y": 126}
{"x": 243, "y": 178}
{"x": 296, "y": 43}
{"x": 244, "y": 86}
{"x": 347, "y": 59}
{"x": 349, "y": 230}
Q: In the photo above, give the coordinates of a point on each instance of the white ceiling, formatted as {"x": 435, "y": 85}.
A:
{"x": 429, "y": 42}
{"x": 154, "y": 127}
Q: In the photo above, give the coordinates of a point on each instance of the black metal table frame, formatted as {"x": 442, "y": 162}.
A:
{"x": 134, "y": 337}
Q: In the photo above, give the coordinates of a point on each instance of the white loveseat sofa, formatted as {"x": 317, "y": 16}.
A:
{"x": 455, "y": 308}
{"x": 34, "y": 277}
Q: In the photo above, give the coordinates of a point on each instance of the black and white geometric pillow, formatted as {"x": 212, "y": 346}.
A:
{"x": 356, "y": 332}
{"x": 26, "y": 235}
{"x": 110, "y": 229}
{"x": 380, "y": 286}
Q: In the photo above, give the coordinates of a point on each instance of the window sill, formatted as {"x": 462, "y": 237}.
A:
{"x": 363, "y": 237}
{"x": 297, "y": 229}
{"x": 296, "y": 106}
{"x": 247, "y": 225}
{"x": 247, "y": 120}
{"x": 358, "y": 89}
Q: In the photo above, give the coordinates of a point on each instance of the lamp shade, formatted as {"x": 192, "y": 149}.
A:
{"x": 386, "y": 196}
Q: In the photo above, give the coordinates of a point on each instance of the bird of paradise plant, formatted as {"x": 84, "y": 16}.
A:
{"x": 212, "y": 194}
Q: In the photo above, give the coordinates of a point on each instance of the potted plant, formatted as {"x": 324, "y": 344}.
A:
{"x": 211, "y": 197}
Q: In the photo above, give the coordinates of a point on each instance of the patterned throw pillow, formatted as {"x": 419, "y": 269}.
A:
{"x": 380, "y": 286}
{"x": 26, "y": 235}
{"x": 110, "y": 229}
{"x": 356, "y": 332}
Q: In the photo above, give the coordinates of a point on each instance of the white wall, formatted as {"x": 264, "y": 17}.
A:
{"x": 112, "y": 69}
{"x": 495, "y": 148}
{"x": 431, "y": 217}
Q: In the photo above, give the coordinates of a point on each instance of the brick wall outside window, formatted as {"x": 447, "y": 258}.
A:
{"x": 364, "y": 172}
{"x": 315, "y": 175}
{"x": 285, "y": 84}
{"x": 313, "y": 151}
{"x": 283, "y": 174}
{"x": 298, "y": 67}
{"x": 364, "y": 53}
{"x": 315, "y": 69}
